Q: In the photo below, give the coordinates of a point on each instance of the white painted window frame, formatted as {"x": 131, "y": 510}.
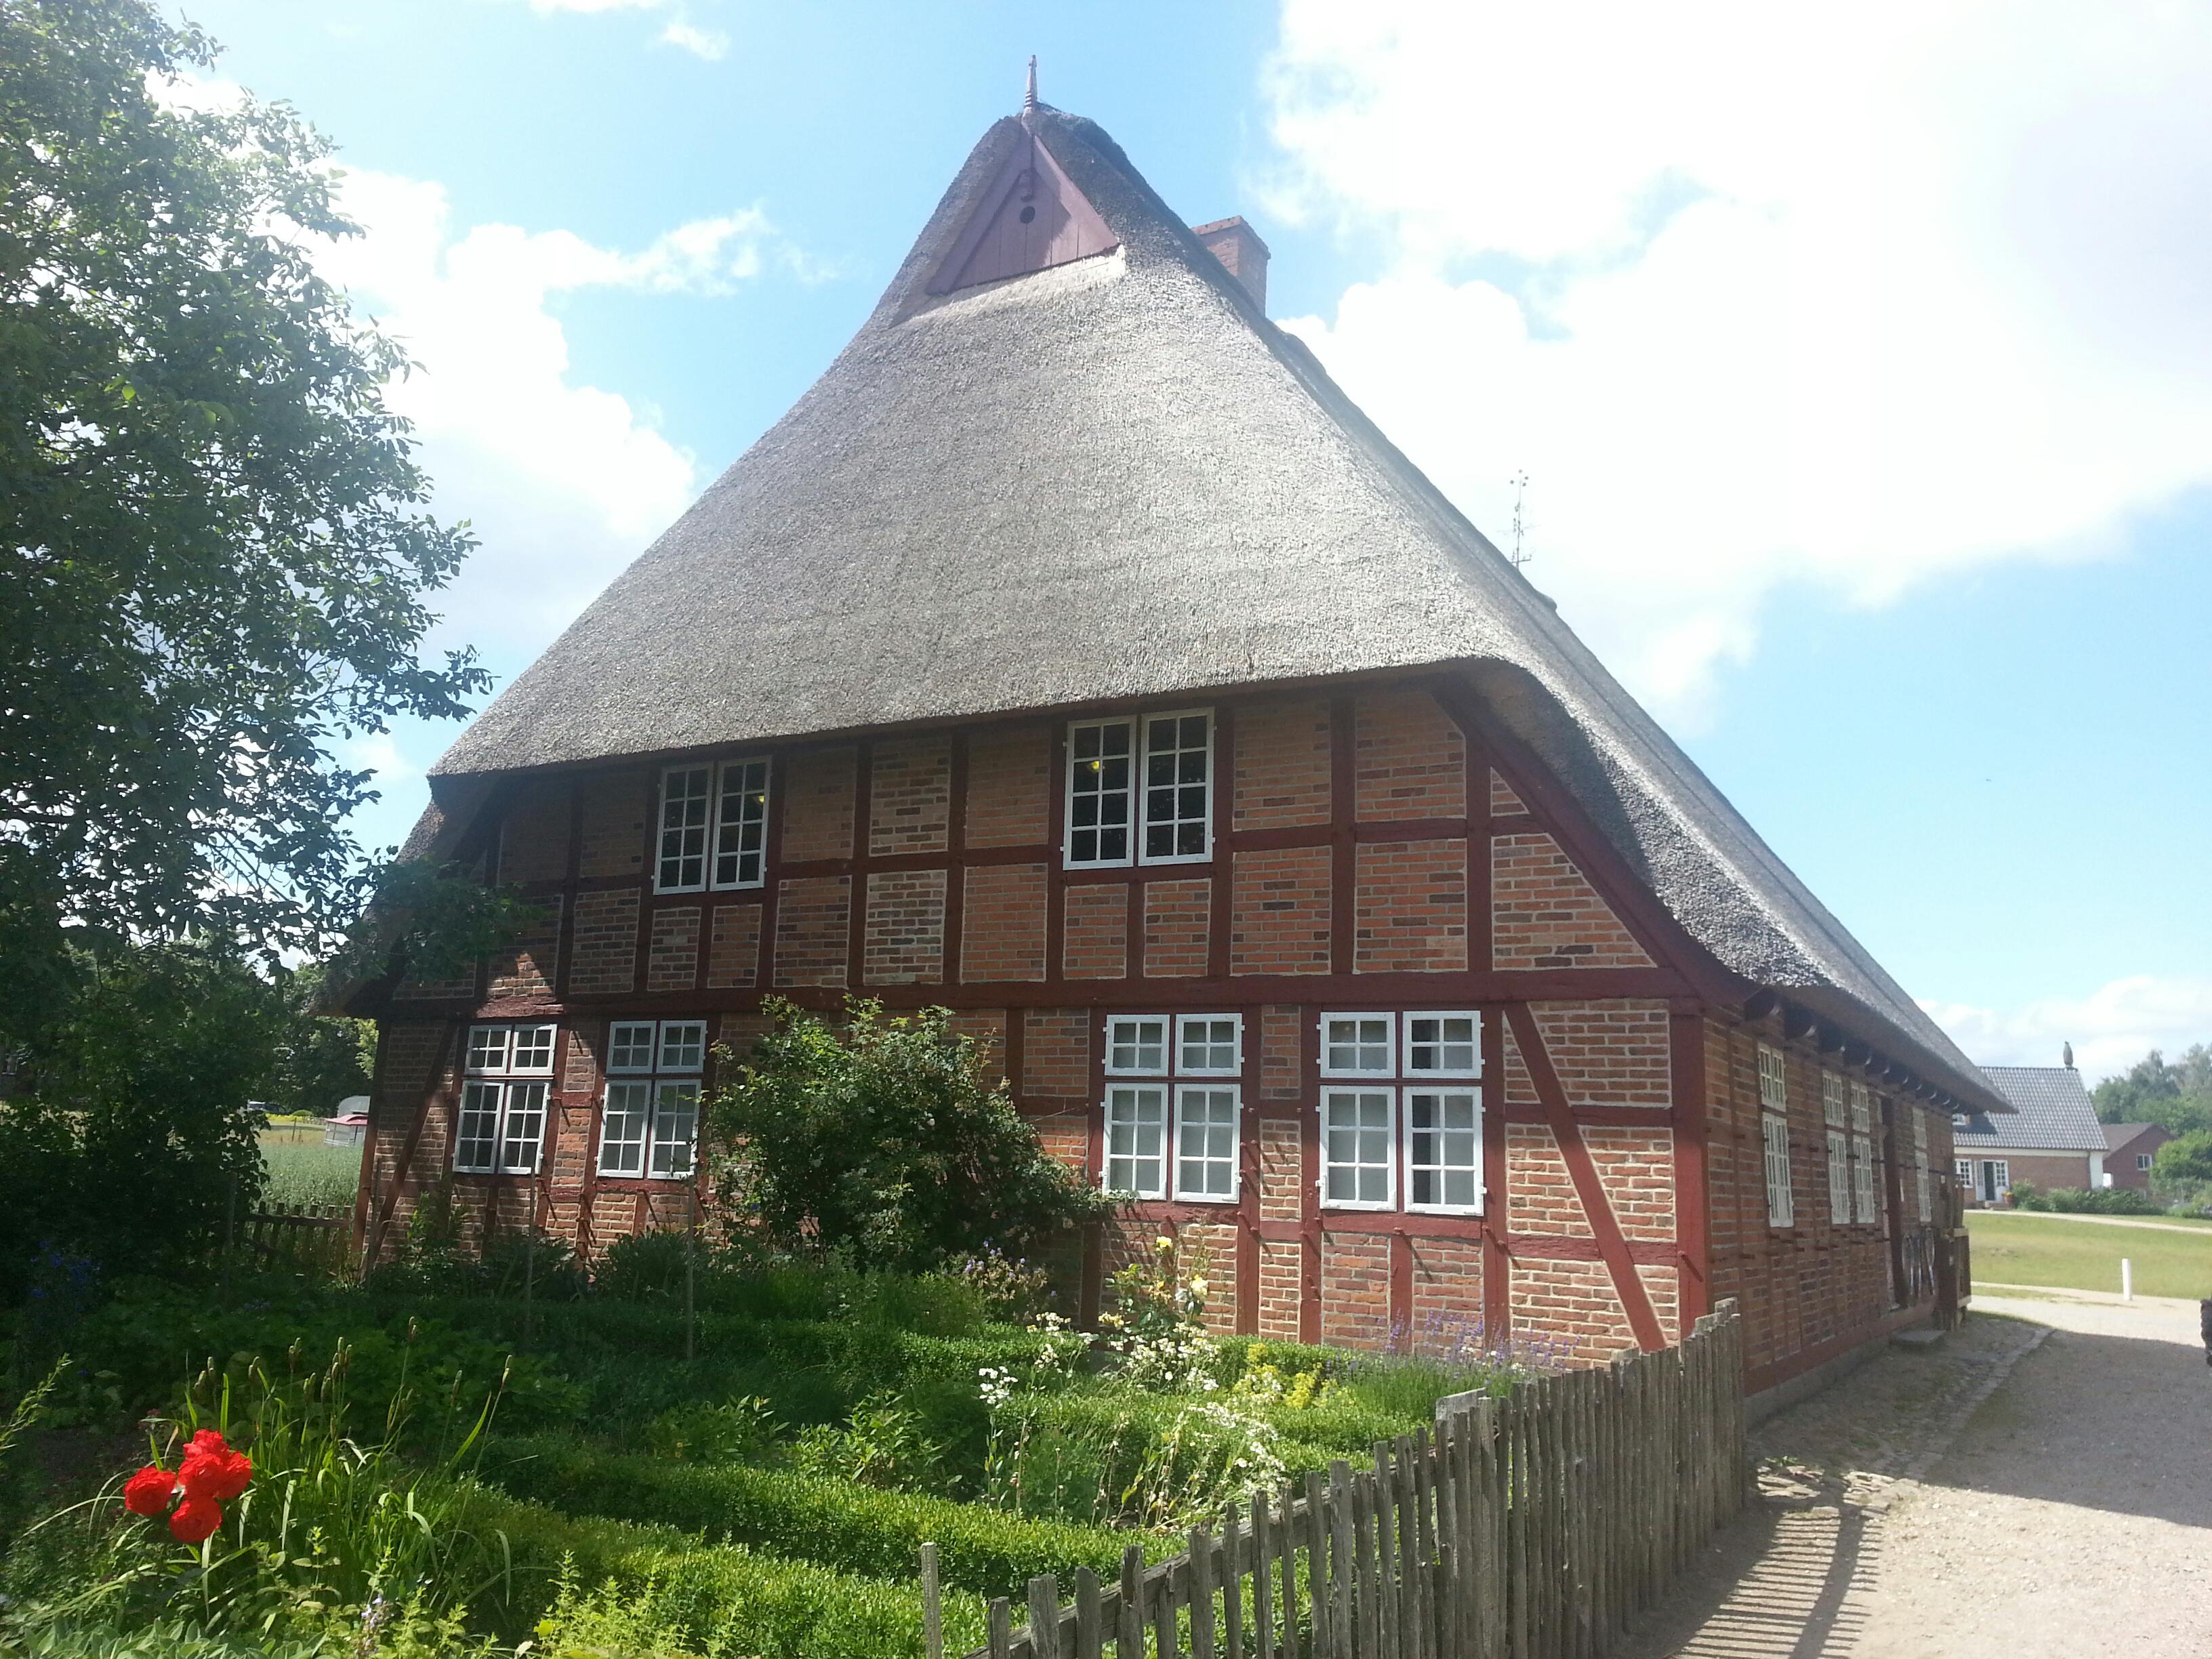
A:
{"x": 1135, "y": 1088}
{"x": 2142, "y": 1163}
{"x": 659, "y": 1071}
{"x": 1201, "y": 1083}
{"x": 1068, "y": 861}
{"x": 1839, "y": 1178}
{"x": 1774, "y": 1156}
{"x": 1393, "y": 1157}
{"x": 497, "y": 1074}
{"x": 1167, "y": 1025}
{"x": 662, "y": 829}
{"x": 1145, "y": 723}
{"x": 1835, "y": 1101}
{"x": 1773, "y": 1080}
{"x": 1448, "y": 1087}
{"x": 716, "y": 823}
{"x": 1236, "y": 1067}
{"x": 1169, "y": 1076}
{"x": 1472, "y": 1073}
{"x": 1388, "y": 1070}
{"x": 1865, "y": 1192}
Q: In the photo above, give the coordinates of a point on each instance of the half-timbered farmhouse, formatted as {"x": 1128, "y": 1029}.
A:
{"x": 1075, "y": 655}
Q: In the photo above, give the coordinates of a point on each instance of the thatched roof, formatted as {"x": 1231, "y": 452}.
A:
{"x": 1115, "y": 479}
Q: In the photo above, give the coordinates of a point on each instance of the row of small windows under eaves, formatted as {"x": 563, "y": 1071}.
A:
{"x": 648, "y": 1122}
{"x": 1849, "y": 1115}
{"x": 1400, "y": 1109}
{"x": 1139, "y": 790}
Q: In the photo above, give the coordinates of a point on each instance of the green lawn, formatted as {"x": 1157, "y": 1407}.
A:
{"x": 2016, "y": 1247}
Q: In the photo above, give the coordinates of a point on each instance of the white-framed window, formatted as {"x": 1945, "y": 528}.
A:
{"x": 1400, "y": 1137}
{"x": 1169, "y": 1134}
{"x": 1774, "y": 1140}
{"x": 1773, "y": 1080}
{"x": 1962, "y": 1171}
{"x": 1865, "y": 1192}
{"x": 1136, "y": 1139}
{"x": 686, "y": 804}
{"x": 741, "y": 824}
{"x": 1924, "y": 1208}
{"x": 1209, "y": 1045}
{"x": 1136, "y": 1045}
{"x": 1140, "y": 790}
{"x": 1839, "y": 1178}
{"x": 1205, "y": 1142}
{"x": 1443, "y": 1045}
{"x": 1358, "y": 1045}
{"x": 1359, "y": 1151}
{"x": 1443, "y": 1150}
{"x": 649, "y": 1120}
{"x": 500, "y": 1127}
{"x": 2142, "y": 1162}
{"x": 1834, "y": 1111}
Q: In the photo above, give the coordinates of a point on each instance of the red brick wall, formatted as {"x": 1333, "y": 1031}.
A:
{"x": 1282, "y": 764}
{"x": 1412, "y": 907}
{"x": 818, "y": 804}
{"x": 533, "y": 966}
{"x": 1002, "y": 923}
{"x": 1097, "y": 928}
{"x": 1009, "y": 785}
{"x": 1447, "y": 1294}
{"x": 606, "y": 943}
{"x": 1355, "y": 1290}
{"x": 910, "y": 796}
{"x": 1177, "y": 917}
{"x": 1056, "y": 1053}
{"x": 1411, "y": 761}
{"x": 534, "y": 840}
{"x": 615, "y": 839}
{"x": 733, "y": 946}
{"x": 1540, "y": 1193}
{"x": 905, "y": 937}
{"x": 1574, "y": 1302}
{"x": 1545, "y": 913}
{"x": 672, "y": 961}
{"x": 1278, "y": 911}
{"x": 813, "y": 930}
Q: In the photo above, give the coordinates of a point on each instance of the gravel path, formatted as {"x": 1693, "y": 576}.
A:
{"x": 2040, "y": 1483}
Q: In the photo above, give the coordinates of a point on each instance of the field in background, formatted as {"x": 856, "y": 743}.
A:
{"x": 303, "y": 1170}
{"x": 2020, "y": 1248}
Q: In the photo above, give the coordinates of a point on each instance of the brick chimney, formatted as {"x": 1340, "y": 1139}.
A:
{"x": 1242, "y": 253}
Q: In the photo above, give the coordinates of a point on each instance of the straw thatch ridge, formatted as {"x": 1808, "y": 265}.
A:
{"x": 1110, "y": 480}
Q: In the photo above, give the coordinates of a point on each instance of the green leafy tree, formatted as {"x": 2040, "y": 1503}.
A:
{"x": 135, "y": 1135}
{"x": 2189, "y": 1157}
{"x": 321, "y": 1059}
{"x": 888, "y": 1141}
{"x": 213, "y": 550}
{"x": 2176, "y": 1095}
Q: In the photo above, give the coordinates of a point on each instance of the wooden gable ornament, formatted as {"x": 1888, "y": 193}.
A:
{"x": 1032, "y": 218}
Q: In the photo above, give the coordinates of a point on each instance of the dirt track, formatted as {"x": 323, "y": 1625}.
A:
{"x": 2040, "y": 1485}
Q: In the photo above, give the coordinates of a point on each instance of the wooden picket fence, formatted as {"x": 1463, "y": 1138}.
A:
{"x": 1533, "y": 1528}
{"x": 308, "y": 1236}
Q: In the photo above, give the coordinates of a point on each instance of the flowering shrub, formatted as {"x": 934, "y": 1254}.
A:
{"x": 210, "y": 1476}
{"x": 1011, "y": 1289}
{"x": 1159, "y": 1322}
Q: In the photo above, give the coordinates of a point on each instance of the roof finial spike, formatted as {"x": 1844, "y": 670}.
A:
{"x": 1028, "y": 94}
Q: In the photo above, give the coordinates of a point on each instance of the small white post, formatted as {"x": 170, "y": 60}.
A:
{"x": 2127, "y": 1279}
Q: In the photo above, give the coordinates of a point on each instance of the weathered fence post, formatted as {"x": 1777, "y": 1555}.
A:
{"x": 933, "y": 1609}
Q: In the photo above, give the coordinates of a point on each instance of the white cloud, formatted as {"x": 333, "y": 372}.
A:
{"x": 2111, "y": 1028}
{"x": 708, "y": 43}
{"x": 379, "y": 752}
{"x": 1765, "y": 294}
{"x": 562, "y": 482}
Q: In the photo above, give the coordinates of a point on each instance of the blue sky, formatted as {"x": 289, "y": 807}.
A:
{"x": 1859, "y": 366}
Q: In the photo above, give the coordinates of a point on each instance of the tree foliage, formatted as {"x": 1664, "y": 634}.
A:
{"x": 320, "y": 1060}
{"x": 890, "y": 1141}
{"x": 135, "y": 1134}
{"x": 213, "y": 550}
{"x": 2187, "y": 1157}
{"x": 2176, "y": 1095}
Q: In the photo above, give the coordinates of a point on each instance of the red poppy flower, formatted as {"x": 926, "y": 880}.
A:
{"x": 147, "y": 1493}
{"x": 215, "y": 1474}
{"x": 194, "y": 1519}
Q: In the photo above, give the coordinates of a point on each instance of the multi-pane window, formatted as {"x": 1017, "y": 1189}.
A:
{"x": 1205, "y": 1142}
{"x": 1390, "y": 1135}
{"x": 650, "y": 1123}
{"x": 1140, "y": 791}
{"x": 1920, "y": 1161}
{"x": 1358, "y": 1166}
{"x": 1863, "y": 1190}
{"x": 1773, "y": 1080}
{"x": 1443, "y": 1150}
{"x": 686, "y": 801}
{"x": 1963, "y": 1173}
{"x": 1774, "y": 1140}
{"x": 1834, "y": 1114}
{"x": 741, "y": 824}
{"x": 713, "y": 827}
{"x": 1178, "y": 792}
{"x": 507, "y": 1078}
{"x": 1167, "y": 1137}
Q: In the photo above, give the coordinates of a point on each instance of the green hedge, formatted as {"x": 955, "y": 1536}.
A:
{"x": 853, "y": 1529}
{"x": 719, "y": 1600}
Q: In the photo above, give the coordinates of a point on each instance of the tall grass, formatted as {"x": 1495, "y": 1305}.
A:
{"x": 302, "y": 1171}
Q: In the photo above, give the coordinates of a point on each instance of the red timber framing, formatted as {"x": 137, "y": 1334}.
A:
{"x": 1356, "y": 777}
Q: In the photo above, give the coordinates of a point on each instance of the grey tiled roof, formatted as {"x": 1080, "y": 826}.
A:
{"x": 2055, "y": 1114}
{"x": 2118, "y": 1136}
